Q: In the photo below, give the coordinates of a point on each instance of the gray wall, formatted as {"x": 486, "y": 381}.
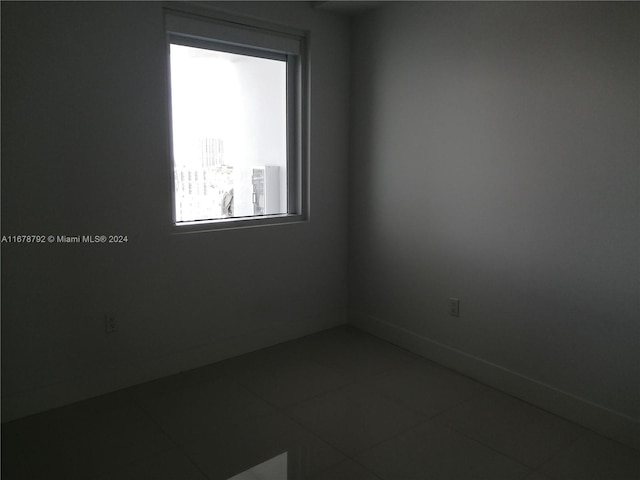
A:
{"x": 84, "y": 151}
{"x": 496, "y": 158}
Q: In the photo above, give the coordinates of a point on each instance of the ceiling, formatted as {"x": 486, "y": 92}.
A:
{"x": 348, "y": 7}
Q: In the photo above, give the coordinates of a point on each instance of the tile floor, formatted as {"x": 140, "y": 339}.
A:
{"x": 336, "y": 405}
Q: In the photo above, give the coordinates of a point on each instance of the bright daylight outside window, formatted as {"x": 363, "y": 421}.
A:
{"x": 234, "y": 110}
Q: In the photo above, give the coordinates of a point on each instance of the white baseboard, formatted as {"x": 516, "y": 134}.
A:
{"x": 600, "y": 419}
{"x": 82, "y": 387}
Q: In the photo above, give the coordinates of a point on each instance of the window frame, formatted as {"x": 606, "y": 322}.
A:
{"x": 203, "y": 28}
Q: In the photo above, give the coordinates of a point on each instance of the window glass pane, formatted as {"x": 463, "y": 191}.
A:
{"x": 229, "y": 134}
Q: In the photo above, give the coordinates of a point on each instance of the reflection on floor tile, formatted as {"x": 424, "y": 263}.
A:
{"x": 276, "y": 467}
{"x": 339, "y": 404}
{"x": 253, "y": 441}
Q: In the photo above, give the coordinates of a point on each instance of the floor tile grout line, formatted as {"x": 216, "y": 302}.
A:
{"x": 288, "y": 406}
{"x": 347, "y": 460}
{"x": 366, "y": 468}
{"x": 370, "y": 378}
{"x": 276, "y": 410}
{"x": 486, "y": 445}
{"x": 487, "y": 388}
{"x": 353, "y": 384}
{"x": 473, "y": 398}
{"x": 251, "y": 392}
{"x": 286, "y": 410}
{"x": 130, "y": 401}
{"x": 358, "y": 334}
{"x": 117, "y": 468}
{"x": 176, "y": 444}
{"x": 433, "y": 416}
{"x": 339, "y": 449}
{"x": 561, "y": 451}
{"x": 254, "y": 394}
{"x": 536, "y": 468}
{"x": 352, "y": 375}
{"x": 391, "y": 438}
{"x": 353, "y": 381}
{"x": 565, "y": 447}
{"x": 296, "y": 404}
{"x": 193, "y": 462}
{"x": 315, "y": 435}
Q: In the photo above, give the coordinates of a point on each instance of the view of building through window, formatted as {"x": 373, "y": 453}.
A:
{"x": 229, "y": 134}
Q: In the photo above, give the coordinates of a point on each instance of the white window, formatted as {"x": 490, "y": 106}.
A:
{"x": 237, "y": 122}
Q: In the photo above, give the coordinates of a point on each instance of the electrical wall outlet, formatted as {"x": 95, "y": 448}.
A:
{"x": 454, "y": 307}
{"x": 110, "y": 325}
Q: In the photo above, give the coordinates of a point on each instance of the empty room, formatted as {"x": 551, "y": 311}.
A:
{"x": 320, "y": 240}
